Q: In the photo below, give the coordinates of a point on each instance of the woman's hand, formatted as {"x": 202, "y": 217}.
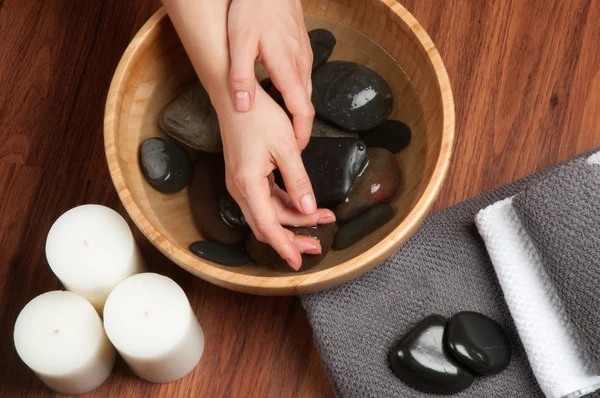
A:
{"x": 272, "y": 33}
{"x": 255, "y": 143}
{"x": 233, "y": 35}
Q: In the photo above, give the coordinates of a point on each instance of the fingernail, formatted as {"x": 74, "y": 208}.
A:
{"x": 314, "y": 251}
{"x": 308, "y": 204}
{"x": 242, "y": 101}
{"x": 309, "y": 246}
{"x": 327, "y": 219}
{"x": 292, "y": 265}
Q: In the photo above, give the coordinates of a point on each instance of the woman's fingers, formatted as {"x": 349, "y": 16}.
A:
{"x": 307, "y": 61}
{"x": 281, "y": 195}
{"x": 305, "y": 244}
{"x": 291, "y": 217}
{"x": 269, "y": 232}
{"x": 291, "y": 83}
{"x": 243, "y": 50}
{"x": 296, "y": 180}
{"x": 254, "y": 197}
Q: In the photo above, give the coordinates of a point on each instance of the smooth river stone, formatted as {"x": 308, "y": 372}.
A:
{"x": 422, "y": 361}
{"x": 478, "y": 342}
{"x": 166, "y": 165}
{"x": 377, "y": 185}
{"x": 219, "y": 253}
{"x": 322, "y": 43}
{"x": 205, "y": 193}
{"x": 231, "y": 212}
{"x": 321, "y": 129}
{"x": 361, "y": 226}
{"x": 191, "y": 119}
{"x": 263, "y": 254}
{"x": 351, "y": 96}
{"x": 392, "y": 135}
{"x": 332, "y": 165}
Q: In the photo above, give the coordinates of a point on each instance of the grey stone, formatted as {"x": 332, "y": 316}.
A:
{"x": 218, "y": 253}
{"x": 421, "y": 360}
{"x": 391, "y": 135}
{"x": 165, "y": 164}
{"x": 191, "y": 119}
{"x": 321, "y": 129}
{"x": 478, "y": 342}
{"x": 351, "y": 96}
{"x": 322, "y": 43}
{"x": 363, "y": 225}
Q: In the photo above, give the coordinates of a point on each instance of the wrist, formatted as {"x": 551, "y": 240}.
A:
{"x": 220, "y": 98}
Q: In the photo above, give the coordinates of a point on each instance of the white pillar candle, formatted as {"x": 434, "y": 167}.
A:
{"x": 59, "y": 335}
{"x": 151, "y": 323}
{"x": 91, "y": 249}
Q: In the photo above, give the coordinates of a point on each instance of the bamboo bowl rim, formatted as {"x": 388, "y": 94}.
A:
{"x": 292, "y": 283}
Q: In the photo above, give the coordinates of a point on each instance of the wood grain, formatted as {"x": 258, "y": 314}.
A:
{"x": 527, "y": 91}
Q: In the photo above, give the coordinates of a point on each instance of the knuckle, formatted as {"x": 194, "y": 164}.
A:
{"x": 309, "y": 57}
{"x": 294, "y": 45}
{"x": 307, "y": 64}
{"x": 301, "y": 182}
{"x": 264, "y": 227}
{"x": 241, "y": 180}
{"x": 297, "y": 66}
{"x": 260, "y": 237}
{"x": 240, "y": 78}
{"x": 306, "y": 60}
{"x": 306, "y": 111}
{"x": 287, "y": 149}
{"x": 309, "y": 111}
{"x": 238, "y": 34}
{"x": 303, "y": 140}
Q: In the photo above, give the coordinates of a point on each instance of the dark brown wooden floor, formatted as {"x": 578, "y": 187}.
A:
{"x": 526, "y": 79}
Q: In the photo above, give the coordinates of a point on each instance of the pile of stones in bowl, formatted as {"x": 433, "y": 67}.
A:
{"x": 350, "y": 162}
{"x": 443, "y": 356}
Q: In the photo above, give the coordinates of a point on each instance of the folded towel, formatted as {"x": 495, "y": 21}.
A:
{"x": 545, "y": 247}
{"x": 547, "y": 333}
{"x": 444, "y": 268}
{"x": 568, "y": 201}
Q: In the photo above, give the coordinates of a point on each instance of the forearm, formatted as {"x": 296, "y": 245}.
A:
{"x": 202, "y": 29}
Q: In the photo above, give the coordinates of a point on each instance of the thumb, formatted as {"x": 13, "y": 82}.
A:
{"x": 242, "y": 52}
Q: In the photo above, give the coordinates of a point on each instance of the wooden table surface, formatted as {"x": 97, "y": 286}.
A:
{"x": 526, "y": 81}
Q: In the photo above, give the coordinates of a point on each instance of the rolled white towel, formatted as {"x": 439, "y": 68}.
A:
{"x": 550, "y": 341}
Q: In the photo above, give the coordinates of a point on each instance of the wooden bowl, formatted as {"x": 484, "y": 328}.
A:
{"x": 380, "y": 34}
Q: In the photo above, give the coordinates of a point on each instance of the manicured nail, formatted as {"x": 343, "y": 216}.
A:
{"x": 308, "y": 246}
{"x": 314, "y": 251}
{"x": 308, "y": 204}
{"x": 242, "y": 101}
{"x": 327, "y": 219}
{"x": 292, "y": 265}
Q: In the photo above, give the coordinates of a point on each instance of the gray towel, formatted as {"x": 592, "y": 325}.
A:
{"x": 561, "y": 214}
{"x": 444, "y": 268}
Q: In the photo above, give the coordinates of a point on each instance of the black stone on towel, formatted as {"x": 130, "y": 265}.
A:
{"x": 421, "y": 360}
{"x": 478, "y": 342}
